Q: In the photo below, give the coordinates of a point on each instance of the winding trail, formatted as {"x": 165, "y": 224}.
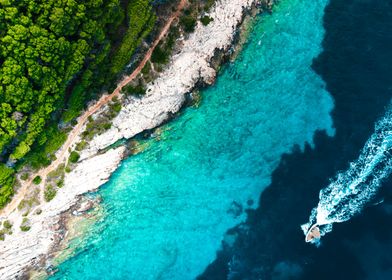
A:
{"x": 63, "y": 153}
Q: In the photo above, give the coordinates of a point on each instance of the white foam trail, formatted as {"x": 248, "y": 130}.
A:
{"x": 351, "y": 190}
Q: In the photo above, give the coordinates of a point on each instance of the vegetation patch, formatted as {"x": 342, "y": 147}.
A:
{"x": 30, "y": 201}
{"x": 57, "y": 173}
{"x": 74, "y": 157}
{"x": 81, "y": 145}
{"x": 49, "y": 193}
{"x": 7, "y": 181}
{"x": 205, "y": 20}
{"x": 141, "y": 20}
{"x": 25, "y": 225}
{"x": 68, "y": 169}
{"x": 160, "y": 55}
{"x": 188, "y": 23}
{"x": 37, "y": 180}
{"x": 44, "y": 149}
{"x": 147, "y": 68}
{"x": 55, "y": 57}
{"x": 137, "y": 91}
{"x": 7, "y": 224}
{"x": 60, "y": 183}
{"x": 115, "y": 107}
{"x": 45, "y": 44}
{"x": 7, "y": 229}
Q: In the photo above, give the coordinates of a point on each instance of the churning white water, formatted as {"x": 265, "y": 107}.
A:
{"x": 352, "y": 189}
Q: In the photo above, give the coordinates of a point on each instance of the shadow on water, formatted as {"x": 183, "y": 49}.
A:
{"x": 356, "y": 64}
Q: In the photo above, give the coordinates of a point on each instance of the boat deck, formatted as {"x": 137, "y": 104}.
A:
{"x": 313, "y": 233}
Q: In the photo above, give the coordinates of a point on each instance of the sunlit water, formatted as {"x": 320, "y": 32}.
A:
{"x": 168, "y": 208}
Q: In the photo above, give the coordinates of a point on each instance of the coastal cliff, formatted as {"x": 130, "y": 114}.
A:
{"x": 165, "y": 96}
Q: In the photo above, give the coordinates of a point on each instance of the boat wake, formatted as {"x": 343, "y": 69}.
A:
{"x": 353, "y": 189}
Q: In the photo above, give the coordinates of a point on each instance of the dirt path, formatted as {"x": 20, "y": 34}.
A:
{"x": 63, "y": 153}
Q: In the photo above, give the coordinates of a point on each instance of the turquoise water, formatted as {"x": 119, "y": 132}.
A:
{"x": 168, "y": 208}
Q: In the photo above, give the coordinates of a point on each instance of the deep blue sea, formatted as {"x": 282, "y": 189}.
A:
{"x": 223, "y": 191}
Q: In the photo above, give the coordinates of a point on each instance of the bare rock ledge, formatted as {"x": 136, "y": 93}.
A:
{"x": 165, "y": 96}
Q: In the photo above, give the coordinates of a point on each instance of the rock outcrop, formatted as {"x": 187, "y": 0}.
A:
{"x": 164, "y": 97}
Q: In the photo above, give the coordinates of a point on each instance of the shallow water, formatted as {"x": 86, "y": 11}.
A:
{"x": 167, "y": 209}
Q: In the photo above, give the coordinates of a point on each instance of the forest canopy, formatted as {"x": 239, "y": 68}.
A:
{"x": 51, "y": 52}
{"x": 44, "y": 44}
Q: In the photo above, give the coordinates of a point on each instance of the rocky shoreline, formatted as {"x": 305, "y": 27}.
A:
{"x": 196, "y": 64}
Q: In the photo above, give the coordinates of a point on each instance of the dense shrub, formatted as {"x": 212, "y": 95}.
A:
{"x": 37, "y": 180}
{"x": 49, "y": 193}
{"x": 7, "y": 224}
{"x": 25, "y": 226}
{"x": 188, "y": 22}
{"x": 7, "y": 180}
{"x": 42, "y": 154}
{"x": 159, "y": 55}
{"x": 74, "y": 157}
{"x": 205, "y": 20}
{"x": 146, "y": 69}
{"x": 138, "y": 90}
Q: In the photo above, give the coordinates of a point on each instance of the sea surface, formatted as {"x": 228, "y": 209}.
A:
{"x": 221, "y": 191}
{"x": 356, "y": 65}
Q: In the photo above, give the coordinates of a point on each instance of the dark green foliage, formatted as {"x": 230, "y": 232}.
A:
{"x": 146, "y": 69}
{"x": 49, "y": 193}
{"x": 7, "y": 180}
{"x": 5, "y": 173}
{"x": 188, "y": 22}
{"x": 141, "y": 20}
{"x": 74, "y": 157}
{"x": 60, "y": 183}
{"x": 162, "y": 52}
{"x": 159, "y": 55}
{"x": 25, "y": 228}
{"x": 37, "y": 180}
{"x": 174, "y": 33}
{"x": 43, "y": 46}
{"x": 75, "y": 103}
{"x": 205, "y": 20}
{"x": 55, "y": 55}
{"x": 107, "y": 126}
{"x": 115, "y": 107}
{"x": 138, "y": 90}
{"x": 41, "y": 155}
